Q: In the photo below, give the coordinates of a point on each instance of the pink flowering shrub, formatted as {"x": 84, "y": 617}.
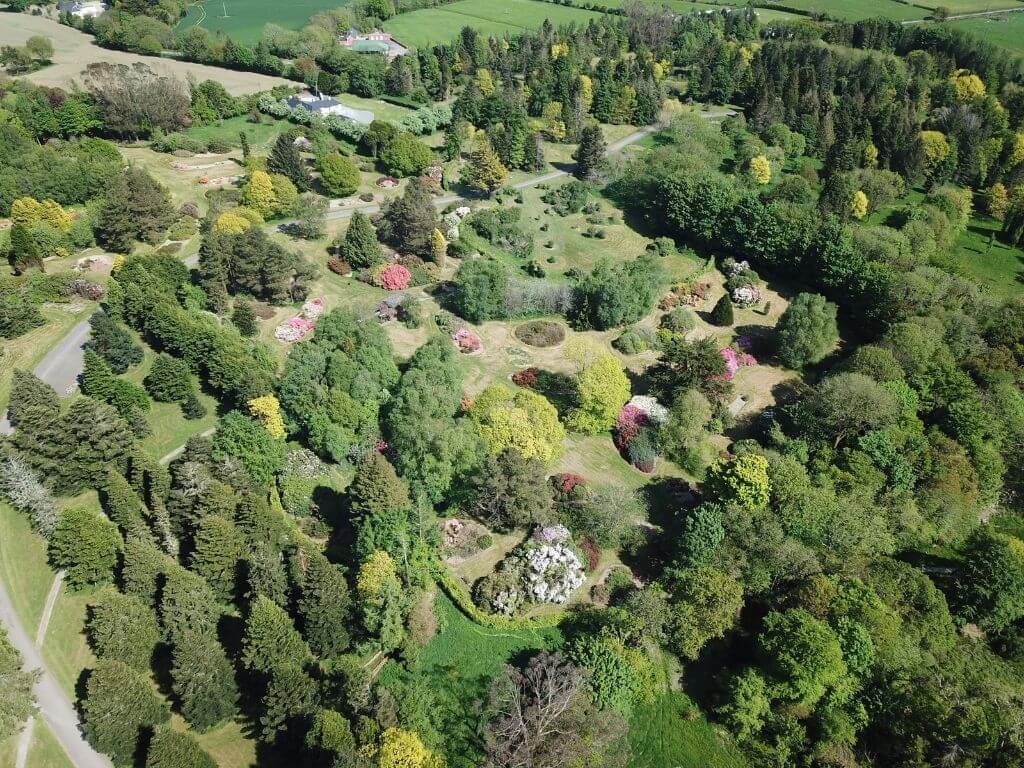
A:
{"x": 734, "y": 361}
{"x": 394, "y": 277}
{"x": 466, "y": 340}
{"x": 628, "y": 424}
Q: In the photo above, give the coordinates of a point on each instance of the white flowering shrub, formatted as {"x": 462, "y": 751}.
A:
{"x": 655, "y": 412}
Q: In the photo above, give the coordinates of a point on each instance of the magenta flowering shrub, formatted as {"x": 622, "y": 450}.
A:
{"x": 394, "y": 277}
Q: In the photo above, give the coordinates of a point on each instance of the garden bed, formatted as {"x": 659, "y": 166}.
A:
{"x": 541, "y": 333}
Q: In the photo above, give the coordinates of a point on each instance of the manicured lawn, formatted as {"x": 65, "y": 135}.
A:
{"x": 861, "y": 9}
{"x": 65, "y": 649}
{"x": 490, "y": 17}
{"x": 997, "y": 267}
{"x": 45, "y": 752}
{"x": 969, "y": 6}
{"x": 1006, "y": 31}
{"x": 243, "y": 20}
{"x": 228, "y": 746}
{"x": 23, "y": 567}
{"x": 260, "y": 134}
{"x": 662, "y": 736}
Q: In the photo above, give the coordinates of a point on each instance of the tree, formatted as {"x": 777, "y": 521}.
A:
{"x": 705, "y": 604}
{"x": 481, "y": 286}
{"x": 747, "y": 704}
{"x": 122, "y": 627}
{"x": 169, "y": 379}
{"x": 702, "y": 534}
{"x": 846, "y": 405}
{"x": 990, "y": 586}
{"x": 271, "y": 640}
{"x": 405, "y": 155}
{"x": 524, "y": 421}
{"x": 602, "y": 388}
{"x": 510, "y": 491}
{"x": 760, "y": 170}
{"x": 30, "y": 396}
{"x": 742, "y": 481}
{"x": 217, "y": 549}
{"x": 245, "y": 319}
{"x": 258, "y": 194}
{"x": 376, "y": 488}
{"x": 171, "y": 749}
{"x": 203, "y": 680}
{"x": 338, "y": 175}
{"x": 136, "y": 207}
{"x": 721, "y": 313}
{"x": 379, "y": 134}
{"x": 100, "y": 383}
{"x": 187, "y": 604}
{"x": 246, "y": 439}
{"x": 360, "y": 247}
{"x": 120, "y": 704}
{"x": 113, "y": 342}
{"x": 24, "y": 250}
{"x": 310, "y": 213}
{"x": 381, "y": 600}
{"x": 801, "y": 655}
{"x": 438, "y": 247}
{"x": 134, "y": 101}
{"x": 484, "y": 170}
{"x": 17, "y": 701}
{"x": 807, "y": 330}
{"x": 86, "y": 546}
{"x": 20, "y": 487}
{"x": 286, "y": 160}
{"x": 408, "y": 221}
{"x": 400, "y": 748}
{"x": 542, "y": 716}
{"x": 324, "y": 606}
{"x": 589, "y": 155}
{"x": 267, "y": 410}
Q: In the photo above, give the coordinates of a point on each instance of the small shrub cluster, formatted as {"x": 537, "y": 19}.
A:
{"x": 540, "y": 333}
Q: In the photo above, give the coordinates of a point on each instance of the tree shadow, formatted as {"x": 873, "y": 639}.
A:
{"x": 558, "y": 388}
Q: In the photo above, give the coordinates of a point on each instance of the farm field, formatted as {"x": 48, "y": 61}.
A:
{"x": 243, "y": 20}
{"x": 970, "y": 6}
{"x": 1006, "y": 30}
{"x": 862, "y": 9}
{"x": 435, "y": 25}
{"x": 76, "y": 50}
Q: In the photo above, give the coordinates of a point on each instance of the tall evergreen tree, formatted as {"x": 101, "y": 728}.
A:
{"x": 408, "y": 222}
{"x": 324, "y": 605}
{"x": 120, "y": 705}
{"x": 169, "y": 379}
{"x": 721, "y": 313}
{"x": 286, "y": 159}
{"x": 24, "y": 252}
{"x": 100, "y": 383}
{"x": 113, "y": 342}
{"x": 17, "y": 699}
{"x": 589, "y": 155}
{"x": 124, "y": 628}
{"x": 86, "y": 545}
{"x": 187, "y": 604}
{"x": 244, "y": 318}
{"x": 359, "y": 247}
{"x": 203, "y": 680}
{"x": 28, "y": 393}
{"x": 171, "y": 749}
{"x": 217, "y": 551}
{"x": 123, "y": 505}
{"x": 271, "y": 640}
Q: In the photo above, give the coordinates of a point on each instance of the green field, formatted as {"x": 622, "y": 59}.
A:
{"x": 1006, "y": 31}
{"x": 491, "y": 17}
{"x": 245, "y": 19}
{"x": 662, "y": 734}
{"x": 862, "y": 9}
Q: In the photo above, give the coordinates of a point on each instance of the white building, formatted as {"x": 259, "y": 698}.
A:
{"x": 83, "y": 8}
{"x": 325, "y": 105}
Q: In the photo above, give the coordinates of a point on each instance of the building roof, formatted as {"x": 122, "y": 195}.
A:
{"x": 313, "y": 104}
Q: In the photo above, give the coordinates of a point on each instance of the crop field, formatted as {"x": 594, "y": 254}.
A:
{"x": 437, "y": 25}
{"x": 243, "y": 20}
{"x": 1006, "y": 31}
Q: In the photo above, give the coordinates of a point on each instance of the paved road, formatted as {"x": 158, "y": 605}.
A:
{"x": 54, "y": 706}
{"x": 62, "y": 365}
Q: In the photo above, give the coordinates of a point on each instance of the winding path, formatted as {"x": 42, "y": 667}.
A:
{"x": 959, "y": 16}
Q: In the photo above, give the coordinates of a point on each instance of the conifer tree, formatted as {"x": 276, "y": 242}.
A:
{"x": 169, "y": 379}
{"x": 721, "y": 313}
{"x": 86, "y": 546}
{"x": 590, "y": 154}
{"x": 203, "y": 680}
{"x": 376, "y": 488}
{"x": 171, "y": 749}
{"x": 187, "y": 604}
{"x": 359, "y": 246}
{"x": 113, "y": 342}
{"x": 438, "y": 247}
{"x": 29, "y": 393}
{"x": 24, "y": 251}
{"x": 271, "y": 640}
{"x": 122, "y": 627}
{"x": 244, "y": 318}
{"x": 120, "y": 704}
{"x": 143, "y": 569}
{"x": 286, "y": 159}
{"x": 217, "y": 550}
{"x": 484, "y": 171}
{"x": 290, "y": 695}
{"x": 100, "y": 383}
{"x": 192, "y": 407}
{"x": 324, "y": 606}
{"x": 258, "y": 194}
{"x": 123, "y": 505}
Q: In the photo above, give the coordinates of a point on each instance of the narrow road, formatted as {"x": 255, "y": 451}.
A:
{"x": 959, "y": 16}
{"x": 55, "y": 708}
{"x": 61, "y": 367}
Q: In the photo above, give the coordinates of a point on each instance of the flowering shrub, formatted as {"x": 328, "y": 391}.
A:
{"x": 526, "y": 378}
{"x": 628, "y": 424}
{"x": 339, "y": 267}
{"x": 465, "y": 340}
{"x": 746, "y": 295}
{"x": 655, "y": 412}
{"x": 393, "y": 277}
{"x": 295, "y": 329}
{"x": 734, "y": 268}
{"x": 312, "y": 309}
{"x": 734, "y": 361}
{"x": 552, "y": 573}
{"x": 566, "y": 482}
{"x": 592, "y": 553}
{"x": 86, "y": 289}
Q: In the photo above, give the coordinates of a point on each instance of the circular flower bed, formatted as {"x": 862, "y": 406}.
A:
{"x": 541, "y": 333}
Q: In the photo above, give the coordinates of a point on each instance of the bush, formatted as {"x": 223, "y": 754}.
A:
{"x": 486, "y": 541}
{"x": 679, "y": 320}
{"x": 541, "y": 333}
{"x": 722, "y": 314}
{"x": 339, "y": 267}
{"x": 569, "y": 198}
{"x": 630, "y": 343}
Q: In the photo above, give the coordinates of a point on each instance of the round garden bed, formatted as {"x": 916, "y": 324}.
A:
{"x": 541, "y": 333}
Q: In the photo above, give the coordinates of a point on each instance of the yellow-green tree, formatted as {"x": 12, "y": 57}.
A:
{"x": 1016, "y": 154}
{"x": 602, "y": 388}
{"x": 524, "y": 421}
{"x": 586, "y": 92}
{"x": 997, "y": 200}
{"x": 859, "y": 205}
{"x": 484, "y": 170}
{"x": 760, "y": 169}
{"x": 267, "y": 410}
{"x": 400, "y": 748}
{"x": 258, "y": 194}
{"x": 376, "y": 575}
{"x": 742, "y": 481}
{"x": 285, "y": 192}
{"x": 936, "y": 148}
{"x": 968, "y": 85}
{"x": 438, "y": 246}
{"x": 28, "y": 210}
{"x": 231, "y": 223}
{"x": 484, "y": 81}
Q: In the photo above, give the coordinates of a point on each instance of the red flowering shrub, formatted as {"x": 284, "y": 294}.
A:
{"x": 591, "y": 552}
{"x": 628, "y": 425}
{"x": 565, "y": 482}
{"x": 526, "y": 378}
{"x": 394, "y": 277}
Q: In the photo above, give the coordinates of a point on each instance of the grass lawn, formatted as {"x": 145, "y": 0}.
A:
{"x": 243, "y": 20}
{"x": 45, "y": 752}
{"x": 969, "y": 6}
{"x": 862, "y": 9}
{"x": 661, "y": 735}
{"x": 999, "y": 268}
{"x": 490, "y": 17}
{"x": 228, "y": 746}
{"x": 261, "y": 135}
{"x": 1006, "y": 31}
{"x": 23, "y": 567}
